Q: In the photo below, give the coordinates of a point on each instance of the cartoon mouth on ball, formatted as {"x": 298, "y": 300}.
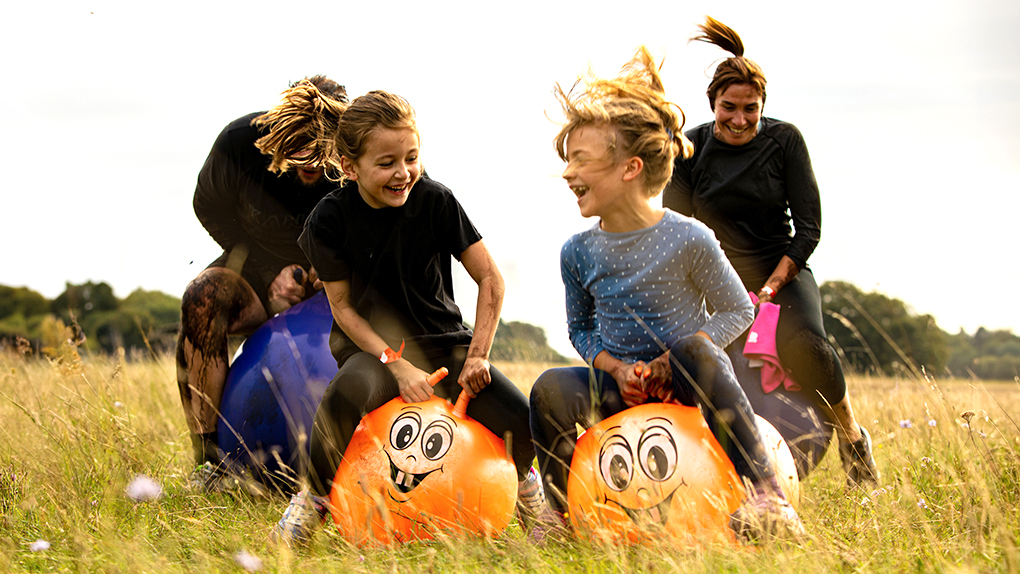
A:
{"x": 655, "y": 514}
{"x": 405, "y": 481}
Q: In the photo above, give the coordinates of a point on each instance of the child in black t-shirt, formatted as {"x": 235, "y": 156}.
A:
{"x": 382, "y": 246}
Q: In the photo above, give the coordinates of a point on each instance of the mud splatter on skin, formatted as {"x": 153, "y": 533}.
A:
{"x": 208, "y": 308}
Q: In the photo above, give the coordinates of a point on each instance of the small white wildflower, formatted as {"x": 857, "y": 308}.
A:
{"x": 248, "y": 561}
{"x": 865, "y": 501}
{"x": 118, "y": 404}
{"x": 906, "y": 424}
{"x": 921, "y": 503}
{"x": 932, "y": 423}
{"x": 143, "y": 489}
{"x": 981, "y": 434}
{"x": 39, "y": 545}
{"x": 876, "y": 492}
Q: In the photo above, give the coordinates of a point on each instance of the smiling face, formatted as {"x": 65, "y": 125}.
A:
{"x": 639, "y": 477}
{"x": 414, "y": 452}
{"x": 737, "y": 113}
{"x": 592, "y": 172}
{"x": 388, "y": 168}
{"x": 651, "y": 470}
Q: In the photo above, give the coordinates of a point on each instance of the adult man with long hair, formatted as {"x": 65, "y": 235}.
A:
{"x": 265, "y": 173}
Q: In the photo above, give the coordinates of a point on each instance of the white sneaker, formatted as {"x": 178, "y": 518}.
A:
{"x": 303, "y": 516}
{"x": 530, "y": 499}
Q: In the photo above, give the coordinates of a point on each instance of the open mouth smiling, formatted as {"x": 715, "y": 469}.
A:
{"x": 579, "y": 190}
{"x": 656, "y": 514}
{"x": 404, "y": 481}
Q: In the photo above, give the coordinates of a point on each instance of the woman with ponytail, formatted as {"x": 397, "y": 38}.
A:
{"x": 750, "y": 180}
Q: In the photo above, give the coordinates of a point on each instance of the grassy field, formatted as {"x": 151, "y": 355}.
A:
{"x": 73, "y": 434}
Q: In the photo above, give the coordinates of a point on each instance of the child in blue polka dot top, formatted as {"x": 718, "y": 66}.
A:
{"x": 651, "y": 299}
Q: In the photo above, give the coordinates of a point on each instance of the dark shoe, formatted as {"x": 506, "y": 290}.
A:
{"x": 209, "y": 477}
{"x": 858, "y": 462}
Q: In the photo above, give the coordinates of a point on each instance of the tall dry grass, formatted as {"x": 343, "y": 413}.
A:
{"x": 73, "y": 434}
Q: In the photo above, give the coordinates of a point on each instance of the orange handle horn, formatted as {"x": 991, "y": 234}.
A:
{"x": 437, "y": 376}
{"x": 460, "y": 409}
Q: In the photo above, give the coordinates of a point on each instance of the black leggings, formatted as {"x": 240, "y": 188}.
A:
{"x": 702, "y": 376}
{"x": 364, "y": 384}
{"x": 803, "y": 346}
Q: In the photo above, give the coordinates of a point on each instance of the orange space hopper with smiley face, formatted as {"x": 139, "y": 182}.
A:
{"x": 413, "y": 470}
{"x": 655, "y": 470}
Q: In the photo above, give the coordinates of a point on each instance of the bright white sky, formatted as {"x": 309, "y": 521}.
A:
{"x": 911, "y": 113}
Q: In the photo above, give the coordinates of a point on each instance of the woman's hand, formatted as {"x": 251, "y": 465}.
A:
{"x": 475, "y": 376}
{"x": 784, "y": 272}
{"x": 412, "y": 381}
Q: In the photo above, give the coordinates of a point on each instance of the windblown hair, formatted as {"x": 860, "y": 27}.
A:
{"x": 735, "y": 70}
{"x": 376, "y": 109}
{"x": 644, "y": 123}
{"x": 306, "y": 120}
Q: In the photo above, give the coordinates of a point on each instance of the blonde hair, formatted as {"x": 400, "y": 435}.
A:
{"x": 376, "y": 109}
{"x": 306, "y": 120}
{"x": 644, "y": 123}
{"x": 735, "y": 70}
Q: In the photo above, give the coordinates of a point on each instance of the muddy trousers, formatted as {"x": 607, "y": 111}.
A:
{"x": 702, "y": 376}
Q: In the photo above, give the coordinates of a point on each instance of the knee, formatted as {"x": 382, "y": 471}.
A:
{"x": 808, "y": 348}
{"x": 551, "y": 386}
{"x": 211, "y": 294}
{"x": 697, "y": 352}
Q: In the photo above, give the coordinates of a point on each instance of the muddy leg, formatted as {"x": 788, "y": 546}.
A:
{"x": 216, "y": 304}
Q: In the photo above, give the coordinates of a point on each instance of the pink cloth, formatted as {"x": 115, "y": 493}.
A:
{"x": 761, "y": 347}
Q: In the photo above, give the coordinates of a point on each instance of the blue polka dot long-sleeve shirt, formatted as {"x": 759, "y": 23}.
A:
{"x": 636, "y": 293}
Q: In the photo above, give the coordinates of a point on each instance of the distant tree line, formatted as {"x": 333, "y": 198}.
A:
{"x": 150, "y": 320}
{"x": 876, "y": 334}
{"x": 141, "y": 321}
{"x": 872, "y": 333}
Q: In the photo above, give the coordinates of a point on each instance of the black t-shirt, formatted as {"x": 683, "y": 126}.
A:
{"x": 749, "y": 195}
{"x": 398, "y": 261}
{"x": 238, "y": 200}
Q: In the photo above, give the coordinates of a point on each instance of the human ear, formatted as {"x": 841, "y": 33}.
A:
{"x": 348, "y": 167}
{"x": 633, "y": 168}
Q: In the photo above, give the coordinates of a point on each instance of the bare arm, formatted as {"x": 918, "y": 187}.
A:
{"x": 783, "y": 274}
{"x": 412, "y": 381}
{"x": 479, "y": 264}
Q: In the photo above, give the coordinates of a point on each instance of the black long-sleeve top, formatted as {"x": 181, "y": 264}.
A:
{"x": 749, "y": 195}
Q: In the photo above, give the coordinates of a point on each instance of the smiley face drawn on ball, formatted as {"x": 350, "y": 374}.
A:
{"x": 416, "y": 449}
{"x": 641, "y": 479}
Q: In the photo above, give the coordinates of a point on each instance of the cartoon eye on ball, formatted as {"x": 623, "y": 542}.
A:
{"x": 410, "y": 457}
{"x": 639, "y": 479}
